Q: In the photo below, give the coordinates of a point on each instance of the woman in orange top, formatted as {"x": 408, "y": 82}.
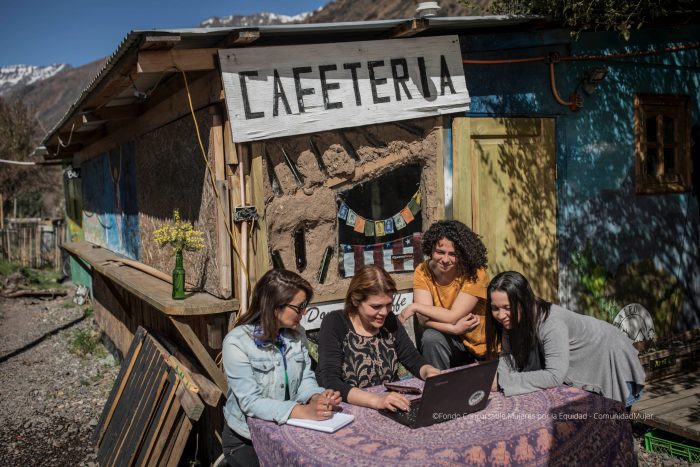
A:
{"x": 449, "y": 295}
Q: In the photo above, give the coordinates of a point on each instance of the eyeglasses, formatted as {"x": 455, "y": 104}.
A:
{"x": 300, "y": 309}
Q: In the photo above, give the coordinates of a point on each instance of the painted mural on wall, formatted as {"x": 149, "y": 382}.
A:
{"x": 617, "y": 247}
{"x": 110, "y": 211}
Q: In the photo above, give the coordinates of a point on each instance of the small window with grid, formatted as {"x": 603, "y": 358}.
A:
{"x": 662, "y": 144}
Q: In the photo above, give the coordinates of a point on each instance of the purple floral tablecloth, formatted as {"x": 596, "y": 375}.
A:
{"x": 561, "y": 426}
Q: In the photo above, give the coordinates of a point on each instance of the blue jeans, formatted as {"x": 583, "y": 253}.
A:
{"x": 634, "y": 393}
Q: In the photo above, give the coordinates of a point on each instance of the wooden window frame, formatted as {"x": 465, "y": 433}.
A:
{"x": 678, "y": 108}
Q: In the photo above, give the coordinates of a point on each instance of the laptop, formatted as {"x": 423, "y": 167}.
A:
{"x": 448, "y": 396}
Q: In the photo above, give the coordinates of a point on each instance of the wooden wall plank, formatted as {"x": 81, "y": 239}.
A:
{"x": 258, "y": 241}
{"x": 223, "y": 209}
{"x": 154, "y": 429}
{"x": 120, "y": 383}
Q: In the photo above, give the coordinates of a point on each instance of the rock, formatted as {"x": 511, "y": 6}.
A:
{"x": 93, "y": 422}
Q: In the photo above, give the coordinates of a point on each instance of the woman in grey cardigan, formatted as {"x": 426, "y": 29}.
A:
{"x": 544, "y": 345}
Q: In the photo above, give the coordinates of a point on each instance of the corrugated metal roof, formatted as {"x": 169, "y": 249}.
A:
{"x": 208, "y": 37}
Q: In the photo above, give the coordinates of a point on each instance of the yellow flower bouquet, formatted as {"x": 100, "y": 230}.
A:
{"x": 180, "y": 235}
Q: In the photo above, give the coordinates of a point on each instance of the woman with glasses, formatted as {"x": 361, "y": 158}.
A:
{"x": 363, "y": 344}
{"x": 268, "y": 367}
{"x": 544, "y": 345}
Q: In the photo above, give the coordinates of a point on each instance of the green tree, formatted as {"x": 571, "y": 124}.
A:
{"x": 581, "y": 15}
{"x": 30, "y": 185}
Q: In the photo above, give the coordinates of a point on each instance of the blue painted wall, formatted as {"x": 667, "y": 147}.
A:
{"x": 595, "y": 152}
{"x": 110, "y": 210}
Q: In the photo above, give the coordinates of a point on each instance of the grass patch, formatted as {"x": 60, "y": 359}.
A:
{"x": 68, "y": 303}
{"x": 35, "y": 278}
{"x": 7, "y": 268}
{"x": 89, "y": 312}
{"x": 85, "y": 342}
{"x": 41, "y": 278}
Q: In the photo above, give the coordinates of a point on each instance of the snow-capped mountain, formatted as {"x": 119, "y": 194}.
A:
{"x": 16, "y": 76}
{"x": 256, "y": 19}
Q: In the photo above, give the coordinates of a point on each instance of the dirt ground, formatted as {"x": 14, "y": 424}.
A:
{"x": 51, "y": 397}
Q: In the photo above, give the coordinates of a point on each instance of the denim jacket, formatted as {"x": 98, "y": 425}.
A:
{"x": 255, "y": 375}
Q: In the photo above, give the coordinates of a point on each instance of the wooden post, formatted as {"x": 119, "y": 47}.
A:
{"x": 15, "y": 209}
{"x": 39, "y": 232}
{"x": 9, "y": 245}
{"x": 2, "y": 212}
{"x": 223, "y": 254}
{"x": 56, "y": 246}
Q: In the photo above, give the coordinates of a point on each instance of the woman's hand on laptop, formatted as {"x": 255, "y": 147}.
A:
{"x": 390, "y": 401}
{"x": 426, "y": 371}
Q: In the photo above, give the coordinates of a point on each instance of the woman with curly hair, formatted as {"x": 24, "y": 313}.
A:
{"x": 449, "y": 295}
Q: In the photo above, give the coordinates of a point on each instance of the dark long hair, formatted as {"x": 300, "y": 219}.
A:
{"x": 527, "y": 313}
{"x": 273, "y": 291}
{"x": 369, "y": 280}
{"x": 470, "y": 250}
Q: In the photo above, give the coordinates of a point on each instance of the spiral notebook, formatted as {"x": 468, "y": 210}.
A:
{"x": 333, "y": 424}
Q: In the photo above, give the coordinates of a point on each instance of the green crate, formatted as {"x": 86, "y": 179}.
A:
{"x": 654, "y": 442}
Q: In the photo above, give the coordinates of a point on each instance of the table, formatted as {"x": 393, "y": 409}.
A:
{"x": 560, "y": 426}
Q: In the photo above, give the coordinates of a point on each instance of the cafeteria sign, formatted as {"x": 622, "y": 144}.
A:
{"x": 289, "y": 90}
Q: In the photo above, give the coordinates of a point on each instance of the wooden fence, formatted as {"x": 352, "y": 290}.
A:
{"x": 32, "y": 242}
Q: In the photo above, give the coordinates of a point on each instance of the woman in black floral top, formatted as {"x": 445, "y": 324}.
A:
{"x": 362, "y": 345}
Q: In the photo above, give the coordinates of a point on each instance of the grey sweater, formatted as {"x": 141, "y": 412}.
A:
{"x": 579, "y": 351}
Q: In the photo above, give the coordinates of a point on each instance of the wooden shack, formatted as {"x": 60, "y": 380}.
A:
{"x": 315, "y": 147}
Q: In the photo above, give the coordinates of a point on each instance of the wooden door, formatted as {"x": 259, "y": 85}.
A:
{"x": 504, "y": 188}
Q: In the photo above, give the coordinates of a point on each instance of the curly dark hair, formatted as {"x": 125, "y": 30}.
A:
{"x": 471, "y": 252}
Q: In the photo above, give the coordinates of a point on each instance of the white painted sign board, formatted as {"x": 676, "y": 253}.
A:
{"x": 288, "y": 90}
{"x": 317, "y": 311}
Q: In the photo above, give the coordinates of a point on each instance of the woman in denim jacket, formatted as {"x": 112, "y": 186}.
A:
{"x": 268, "y": 367}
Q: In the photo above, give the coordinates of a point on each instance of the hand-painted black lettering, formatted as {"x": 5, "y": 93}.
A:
{"x": 301, "y": 92}
{"x": 326, "y": 86}
{"x": 445, "y": 79}
{"x": 400, "y": 79}
{"x": 279, "y": 94}
{"x": 244, "y": 91}
{"x": 425, "y": 85}
{"x": 374, "y": 81}
{"x": 355, "y": 85}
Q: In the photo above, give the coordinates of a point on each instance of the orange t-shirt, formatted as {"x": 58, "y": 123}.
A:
{"x": 445, "y": 295}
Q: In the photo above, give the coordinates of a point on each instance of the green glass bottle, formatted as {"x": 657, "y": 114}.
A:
{"x": 178, "y": 277}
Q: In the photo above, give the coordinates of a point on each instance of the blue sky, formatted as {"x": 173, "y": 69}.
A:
{"x": 43, "y": 32}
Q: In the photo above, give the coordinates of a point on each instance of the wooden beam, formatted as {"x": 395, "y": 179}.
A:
{"x": 118, "y": 112}
{"x": 258, "y": 244}
{"x": 229, "y": 148}
{"x": 173, "y": 60}
{"x": 223, "y": 210}
{"x": 204, "y": 91}
{"x": 240, "y": 38}
{"x": 160, "y": 42}
{"x": 82, "y": 136}
{"x": 200, "y": 353}
{"x": 409, "y": 28}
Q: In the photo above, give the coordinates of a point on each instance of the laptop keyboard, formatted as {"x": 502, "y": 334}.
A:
{"x": 408, "y": 417}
